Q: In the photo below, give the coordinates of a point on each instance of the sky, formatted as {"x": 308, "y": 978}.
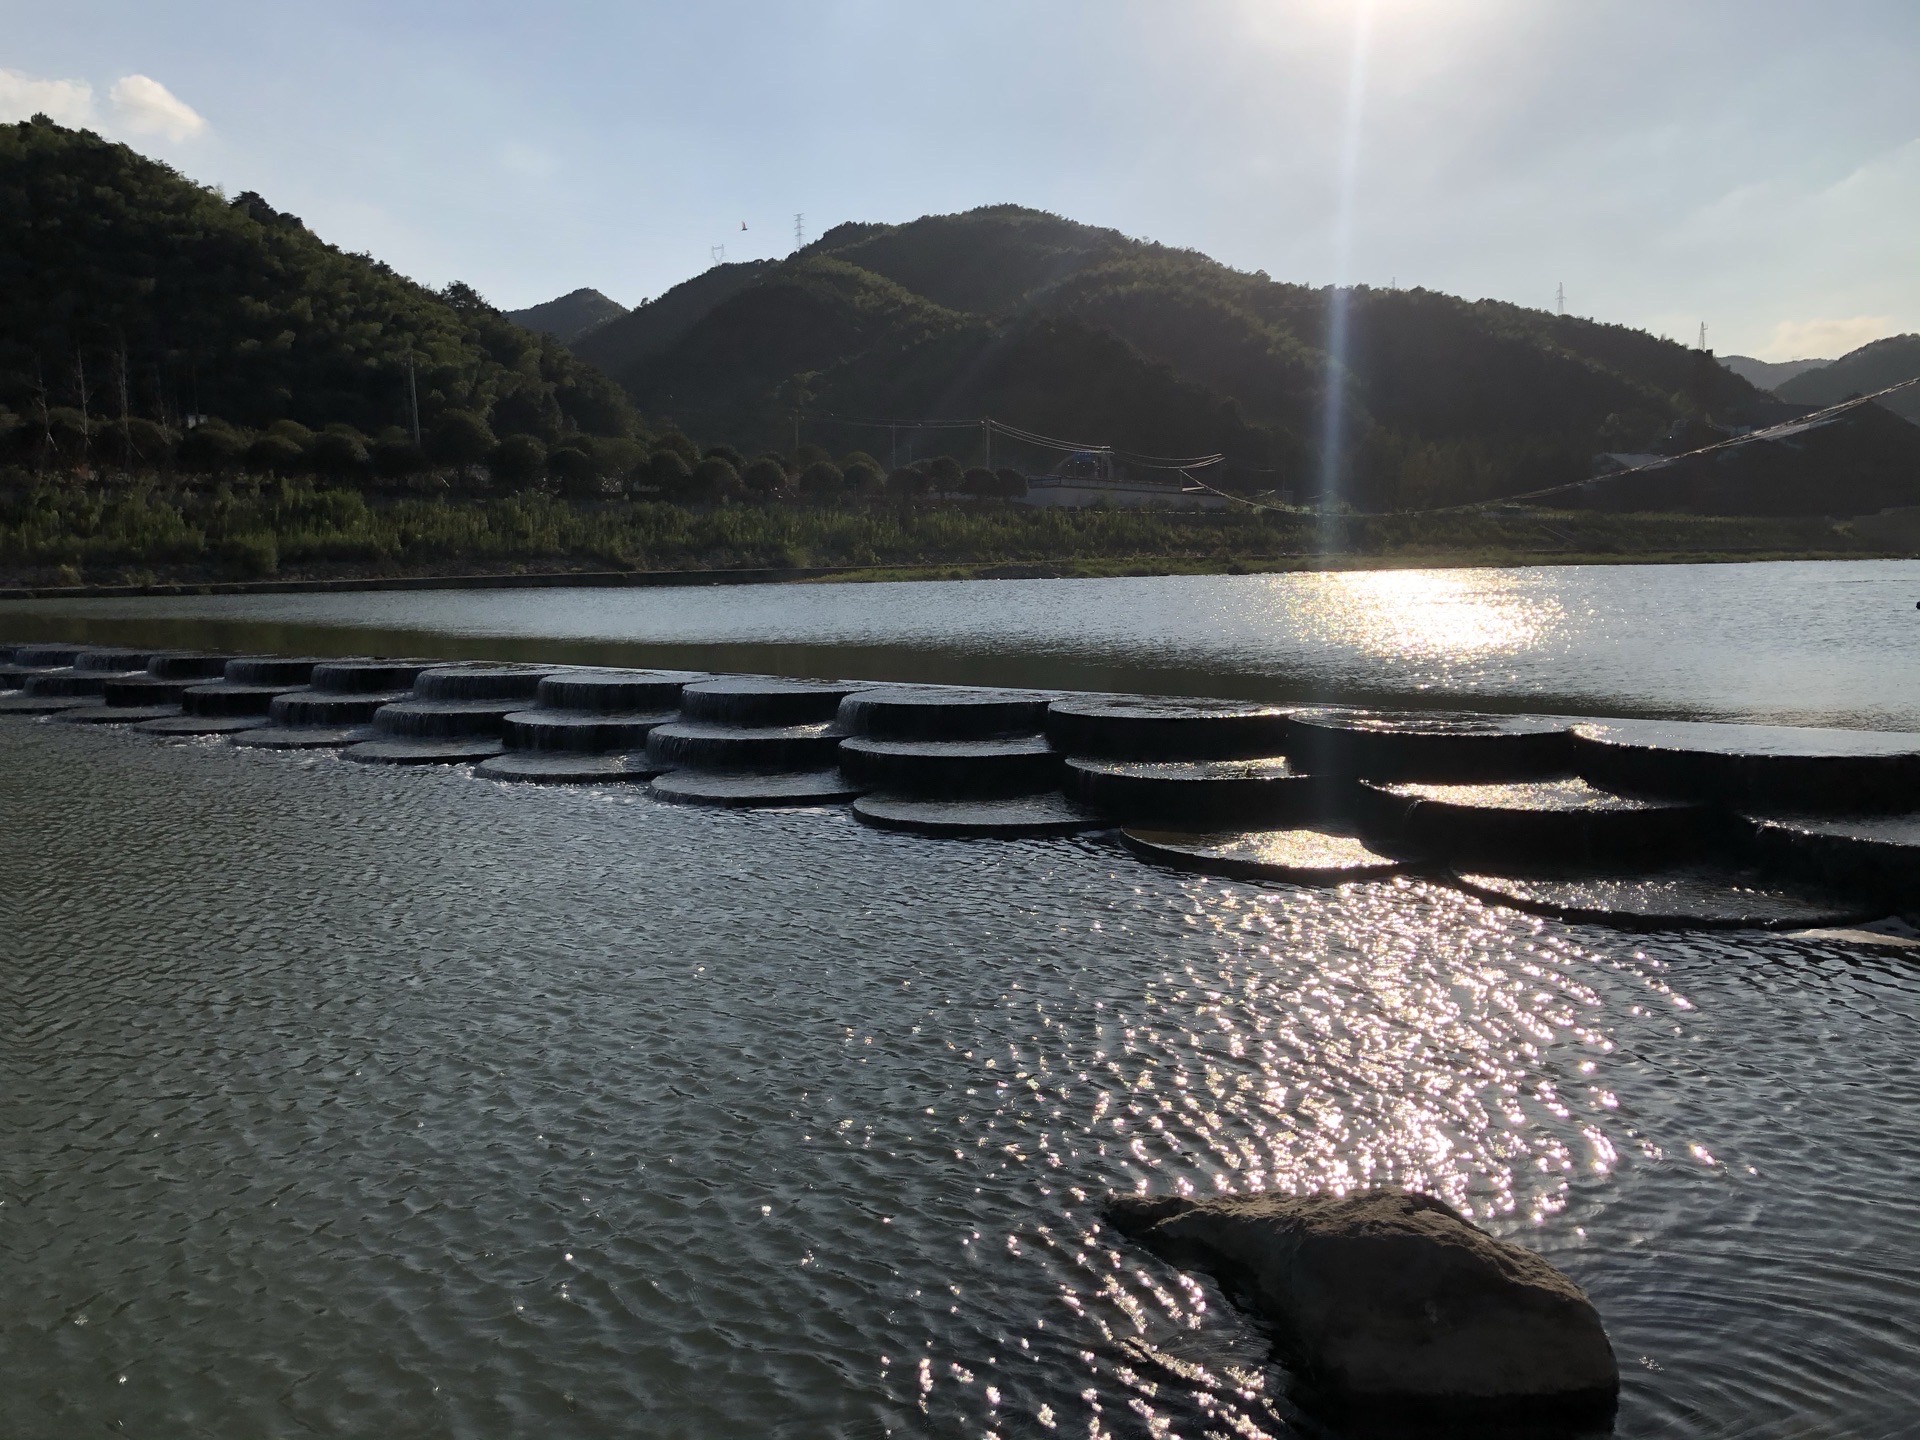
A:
{"x": 1751, "y": 165}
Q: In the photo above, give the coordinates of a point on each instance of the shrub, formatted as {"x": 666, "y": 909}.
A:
{"x": 395, "y": 456}
{"x": 576, "y": 470}
{"x": 945, "y": 473}
{"x": 727, "y": 453}
{"x": 715, "y": 479}
{"x": 460, "y": 438}
{"x": 212, "y": 445}
{"x": 980, "y": 483}
{"x": 341, "y": 454}
{"x": 275, "y": 454}
{"x": 809, "y": 455}
{"x": 908, "y": 484}
{"x": 765, "y": 477}
{"x": 864, "y": 479}
{"x": 518, "y": 460}
{"x": 822, "y": 482}
{"x": 1012, "y": 484}
{"x": 680, "y": 445}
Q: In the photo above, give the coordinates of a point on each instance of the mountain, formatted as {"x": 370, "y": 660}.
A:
{"x": 126, "y": 287}
{"x": 1861, "y": 372}
{"x": 1768, "y": 374}
{"x": 1077, "y": 331}
{"x": 570, "y": 316}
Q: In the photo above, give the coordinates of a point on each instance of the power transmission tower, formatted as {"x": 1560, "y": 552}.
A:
{"x": 413, "y": 399}
{"x": 717, "y": 254}
{"x": 1560, "y": 298}
{"x": 1703, "y": 335}
{"x": 799, "y": 230}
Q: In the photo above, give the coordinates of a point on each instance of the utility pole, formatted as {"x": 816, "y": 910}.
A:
{"x": 986, "y": 438}
{"x": 893, "y": 448}
{"x": 413, "y": 399}
{"x": 86, "y": 424}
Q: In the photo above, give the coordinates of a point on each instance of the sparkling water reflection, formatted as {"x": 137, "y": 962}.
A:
{"x": 349, "y": 1102}
{"x": 1805, "y": 643}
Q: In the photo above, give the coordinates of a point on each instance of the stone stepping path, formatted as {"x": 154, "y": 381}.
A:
{"x": 1019, "y": 817}
{"x": 737, "y": 790}
{"x": 765, "y": 701}
{"x": 1435, "y": 746}
{"x": 1765, "y": 767}
{"x": 1204, "y": 793}
{"x": 1299, "y": 857}
{"x": 713, "y": 745}
{"x": 1877, "y": 854}
{"x": 1143, "y": 727}
{"x": 567, "y": 768}
{"x": 944, "y": 713}
{"x": 953, "y": 769}
{"x": 1692, "y": 898}
{"x": 1532, "y": 821}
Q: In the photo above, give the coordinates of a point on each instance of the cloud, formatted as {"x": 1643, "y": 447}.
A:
{"x": 1828, "y": 339}
{"x": 148, "y": 108}
{"x": 22, "y": 96}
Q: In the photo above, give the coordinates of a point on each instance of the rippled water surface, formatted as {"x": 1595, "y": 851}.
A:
{"x": 349, "y": 1101}
{"x": 1812, "y": 643}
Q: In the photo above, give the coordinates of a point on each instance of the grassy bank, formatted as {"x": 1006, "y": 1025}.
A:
{"x": 154, "y": 534}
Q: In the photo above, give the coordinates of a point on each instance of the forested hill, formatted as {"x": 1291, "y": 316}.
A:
{"x": 569, "y": 317}
{"x": 1861, "y": 372}
{"x": 1082, "y": 332}
{"x": 127, "y": 289}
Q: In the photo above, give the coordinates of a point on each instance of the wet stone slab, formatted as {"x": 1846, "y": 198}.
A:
{"x": 617, "y": 691}
{"x": 944, "y": 713}
{"x": 951, "y": 768}
{"x": 1430, "y": 745}
{"x": 1216, "y": 793}
{"x": 230, "y": 698}
{"x": 1017, "y": 817}
{"x": 202, "y": 724}
{"x": 441, "y": 719}
{"x": 1144, "y": 727}
{"x": 1767, "y": 767}
{"x": 734, "y": 790}
{"x": 465, "y": 683}
{"x": 1873, "y": 855}
{"x": 115, "y": 714}
{"x": 304, "y": 737}
{"x": 565, "y": 768}
{"x": 584, "y": 732}
{"x": 386, "y": 751}
{"x": 1533, "y": 822}
{"x": 1298, "y": 856}
{"x": 706, "y": 744}
{"x": 766, "y": 700}
{"x": 1694, "y": 897}
{"x": 370, "y": 676}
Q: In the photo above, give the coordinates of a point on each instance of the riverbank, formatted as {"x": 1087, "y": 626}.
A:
{"x": 291, "y": 539}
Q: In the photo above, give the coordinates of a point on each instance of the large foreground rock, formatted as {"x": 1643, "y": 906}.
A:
{"x": 1392, "y": 1304}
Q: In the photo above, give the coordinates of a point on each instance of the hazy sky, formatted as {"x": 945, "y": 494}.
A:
{"x": 1751, "y": 163}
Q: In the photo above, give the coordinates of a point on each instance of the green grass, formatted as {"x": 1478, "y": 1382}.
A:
{"x": 154, "y": 532}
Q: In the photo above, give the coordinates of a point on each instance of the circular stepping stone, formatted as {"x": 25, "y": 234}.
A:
{"x": 148, "y": 689}
{"x": 565, "y": 768}
{"x": 1533, "y": 821}
{"x": 707, "y": 745}
{"x": 480, "y": 682}
{"x": 201, "y": 724}
{"x": 1033, "y": 816}
{"x": 765, "y": 700}
{"x": 188, "y": 665}
{"x": 944, "y": 713}
{"x": 305, "y": 737}
{"x": 417, "y": 719}
{"x": 47, "y": 656}
{"x": 119, "y": 661}
{"x": 1431, "y": 745}
{"x": 1872, "y": 854}
{"x": 367, "y": 677}
{"x": 423, "y": 752}
{"x": 583, "y": 732}
{"x": 20, "y": 703}
{"x": 622, "y": 692}
{"x": 114, "y": 714}
{"x": 1143, "y": 727}
{"x": 280, "y": 671}
{"x": 1760, "y": 766}
{"x": 1682, "y": 899}
{"x": 1197, "y": 792}
{"x": 225, "y": 697}
{"x": 1300, "y": 857}
{"x": 1018, "y": 765}
{"x": 753, "y": 791}
{"x": 331, "y": 707}
{"x": 87, "y": 684}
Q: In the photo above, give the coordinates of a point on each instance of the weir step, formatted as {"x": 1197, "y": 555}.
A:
{"x": 1016, "y": 817}
{"x": 1533, "y": 823}
{"x": 710, "y": 745}
{"x": 1297, "y": 857}
{"x": 1017, "y": 765}
{"x": 1206, "y": 793}
{"x": 753, "y": 790}
{"x": 938, "y": 712}
{"x": 1144, "y": 727}
{"x": 582, "y": 732}
{"x": 765, "y": 700}
{"x": 1433, "y": 746}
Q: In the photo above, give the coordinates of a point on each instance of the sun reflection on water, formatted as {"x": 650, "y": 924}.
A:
{"x": 1432, "y": 614}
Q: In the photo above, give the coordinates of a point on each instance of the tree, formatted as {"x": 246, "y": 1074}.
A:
{"x": 669, "y": 473}
{"x": 460, "y": 438}
{"x": 131, "y": 442}
{"x": 908, "y": 484}
{"x": 864, "y": 479}
{"x": 979, "y": 483}
{"x": 212, "y": 446}
{"x": 680, "y": 445}
{"x": 275, "y": 454}
{"x": 340, "y": 455}
{"x": 765, "y": 477}
{"x": 292, "y": 431}
{"x": 822, "y": 482}
{"x": 945, "y": 473}
{"x": 395, "y": 456}
{"x": 576, "y": 470}
{"x": 808, "y": 455}
{"x": 1012, "y": 484}
{"x": 518, "y": 461}
{"x": 727, "y": 453}
{"x": 715, "y": 479}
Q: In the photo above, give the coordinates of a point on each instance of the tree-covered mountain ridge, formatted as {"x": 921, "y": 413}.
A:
{"x": 1075, "y": 330}
{"x": 133, "y": 295}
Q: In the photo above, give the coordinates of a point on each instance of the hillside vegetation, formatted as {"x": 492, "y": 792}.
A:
{"x": 1861, "y": 372}
{"x": 133, "y": 301}
{"x": 1073, "y": 330}
{"x": 569, "y": 317}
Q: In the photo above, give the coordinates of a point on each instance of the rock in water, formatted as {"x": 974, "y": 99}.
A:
{"x": 1392, "y": 1304}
